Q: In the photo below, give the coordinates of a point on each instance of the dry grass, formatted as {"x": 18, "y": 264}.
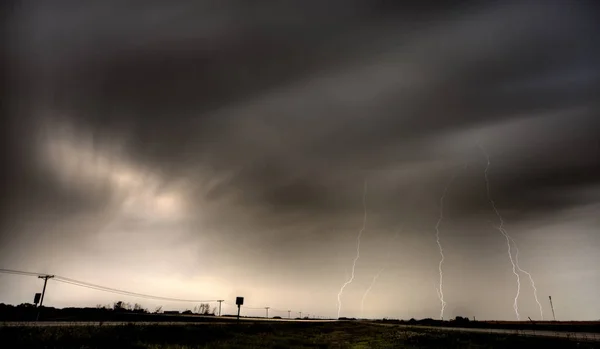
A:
{"x": 263, "y": 335}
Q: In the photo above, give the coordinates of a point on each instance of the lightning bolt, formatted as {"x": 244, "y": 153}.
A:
{"x": 362, "y": 302}
{"x": 528, "y": 275}
{"x": 440, "y": 288}
{"x": 339, "y": 300}
{"x": 504, "y": 233}
{"x": 376, "y": 276}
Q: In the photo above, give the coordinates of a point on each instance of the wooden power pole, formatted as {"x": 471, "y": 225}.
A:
{"x": 45, "y": 277}
{"x": 551, "y": 307}
{"x": 220, "y": 300}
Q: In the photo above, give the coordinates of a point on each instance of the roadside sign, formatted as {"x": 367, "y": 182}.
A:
{"x": 37, "y": 297}
{"x": 239, "y": 301}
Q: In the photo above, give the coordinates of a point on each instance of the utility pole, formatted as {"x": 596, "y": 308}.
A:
{"x": 300, "y": 314}
{"x": 289, "y": 314}
{"x": 551, "y": 306}
{"x": 267, "y": 309}
{"x": 220, "y": 300}
{"x": 45, "y": 277}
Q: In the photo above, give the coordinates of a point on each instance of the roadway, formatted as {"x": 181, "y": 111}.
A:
{"x": 582, "y": 336}
{"x": 212, "y": 321}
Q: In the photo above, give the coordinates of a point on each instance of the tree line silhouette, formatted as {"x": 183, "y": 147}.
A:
{"x": 118, "y": 311}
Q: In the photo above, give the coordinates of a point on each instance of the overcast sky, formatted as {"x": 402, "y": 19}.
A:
{"x": 220, "y": 149}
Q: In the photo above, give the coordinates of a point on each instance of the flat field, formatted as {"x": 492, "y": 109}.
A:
{"x": 266, "y": 335}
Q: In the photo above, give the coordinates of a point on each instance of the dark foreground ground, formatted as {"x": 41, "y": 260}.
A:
{"x": 265, "y": 335}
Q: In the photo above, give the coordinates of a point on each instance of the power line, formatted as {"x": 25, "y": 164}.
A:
{"x": 127, "y": 293}
{"x": 262, "y": 308}
{"x": 84, "y": 284}
{"x": 88, "y": 285}
{"x": 102, "y": 289}
{"x": 253, "y": 308}
{"x": 19, "y": 272}
{"x": 245, "y": 306}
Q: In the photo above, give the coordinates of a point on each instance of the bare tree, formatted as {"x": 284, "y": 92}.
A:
{"x": 204, "y": 309}
{"x": 139, "y": 309}
{"x": 119, "y": 306}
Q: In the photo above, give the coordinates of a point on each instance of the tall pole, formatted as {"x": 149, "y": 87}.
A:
{"x": 220, "y": 300}
{"x": 45, "y": 277}
{"x": 551, "y": 307}
{"x": 301, "y": 315}
{"x": 267, "y": 309}
{"x": 289, "y": 314}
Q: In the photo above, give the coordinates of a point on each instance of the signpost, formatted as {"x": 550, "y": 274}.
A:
{"x": 239, "y": 301}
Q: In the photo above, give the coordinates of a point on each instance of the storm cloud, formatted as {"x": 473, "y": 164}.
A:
{"x": 230, "y": 142}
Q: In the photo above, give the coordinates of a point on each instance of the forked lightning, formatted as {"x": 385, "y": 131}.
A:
{"x": 509, "y": 240}
{"x": 440, "y": 288}
{"x": 349, "y": 281}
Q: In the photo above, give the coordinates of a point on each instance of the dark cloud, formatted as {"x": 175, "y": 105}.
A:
{"x": 251, "y": 128}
